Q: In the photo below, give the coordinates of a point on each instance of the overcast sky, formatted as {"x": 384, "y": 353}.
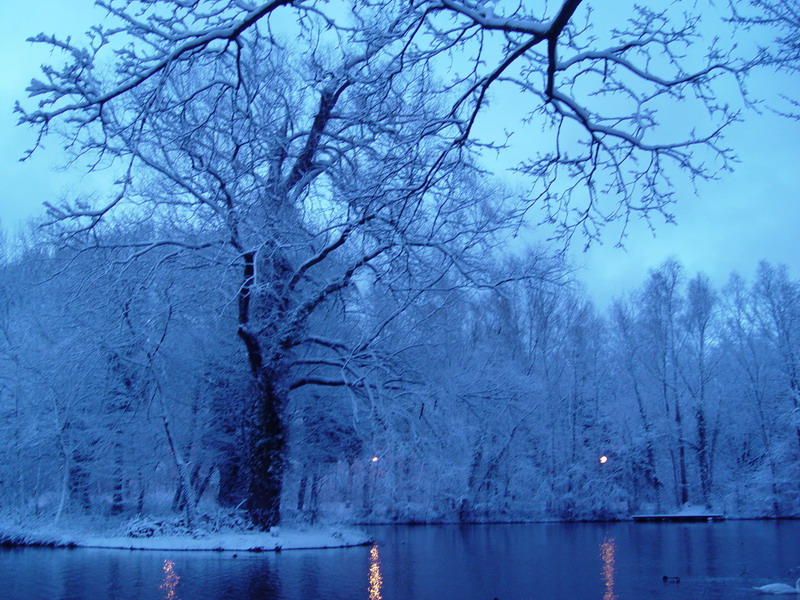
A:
{"x": 752, "y": 214}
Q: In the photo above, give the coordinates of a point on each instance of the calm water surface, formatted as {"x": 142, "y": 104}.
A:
{"x": 619, "y": 561}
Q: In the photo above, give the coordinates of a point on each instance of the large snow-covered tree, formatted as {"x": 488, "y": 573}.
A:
{"x": 324, "y": 149}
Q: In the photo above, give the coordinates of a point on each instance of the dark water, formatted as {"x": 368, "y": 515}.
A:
{"x": 622, "y": 561}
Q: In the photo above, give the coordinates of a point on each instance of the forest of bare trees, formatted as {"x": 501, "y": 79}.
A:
{"x": 304, "y": 294}
{"x": 125, "y": 399}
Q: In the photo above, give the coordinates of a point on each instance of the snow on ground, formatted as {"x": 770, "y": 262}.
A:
{"x": 278, "y": 538}
{"x": 693, "y": 509}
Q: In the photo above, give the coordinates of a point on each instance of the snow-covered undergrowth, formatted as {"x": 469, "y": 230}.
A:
{"x": 141, "y": 533}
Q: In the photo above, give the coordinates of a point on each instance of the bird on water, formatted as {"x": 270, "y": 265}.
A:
{"x": 779, "y": 588}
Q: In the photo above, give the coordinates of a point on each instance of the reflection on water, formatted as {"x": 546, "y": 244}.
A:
{"x": 552, "y": 561}
{"x": 375, "y": 579}
{"x": 171, "y": 580}
{"x": 607, "y": 551}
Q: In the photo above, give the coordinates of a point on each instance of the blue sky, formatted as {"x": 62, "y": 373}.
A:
{"x": 752, "y": 214}
{"x": 27, "y": 185}
{"x": 730, "y": 225}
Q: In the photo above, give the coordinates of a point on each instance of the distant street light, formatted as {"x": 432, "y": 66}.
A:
{"x": 374, "y": 459}
{"x": 603, "y": 459}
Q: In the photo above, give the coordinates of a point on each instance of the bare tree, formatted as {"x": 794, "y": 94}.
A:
{"x": 631, "y": 359}
{"x": 778, "y": 313}
{"x": 348, "y": 157}
{"x": 662, "y": 302}
{"x": 698, "y": 371}
{"x": 605, "y": 92}
{"x": 748, "y": 354}
{"x": 779, "y": 19}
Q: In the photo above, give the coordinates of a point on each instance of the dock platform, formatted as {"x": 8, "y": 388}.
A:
{"x": 677, "y": 518}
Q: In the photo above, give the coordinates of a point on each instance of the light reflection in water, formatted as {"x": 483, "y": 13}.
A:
{"x": 171, "y": 580}
{"x": 375, "y": 578}
{"x": 607, "y": 551}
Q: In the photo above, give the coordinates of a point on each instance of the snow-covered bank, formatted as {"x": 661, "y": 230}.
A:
{"x": 277, "y": 539}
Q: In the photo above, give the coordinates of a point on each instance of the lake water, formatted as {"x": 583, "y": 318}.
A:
{"x": 603, "y": 561}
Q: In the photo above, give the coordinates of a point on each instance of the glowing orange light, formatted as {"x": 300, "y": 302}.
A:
{"x": 603, "y": 459}
{"x": 375, "y": 578}
{"x": 607, "y": 554}
{"x": 171, "y": 579}
{"x": 374, "y": 459}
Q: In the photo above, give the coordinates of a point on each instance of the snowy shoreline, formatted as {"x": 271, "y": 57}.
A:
{"x": 266, "y": 541}
{"x": 275, "y": 540}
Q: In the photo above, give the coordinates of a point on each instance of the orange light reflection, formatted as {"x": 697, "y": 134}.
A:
{"x": 171, "y": 580}
{"x": 607, "y": 551}
{"x": 375, "y": 578}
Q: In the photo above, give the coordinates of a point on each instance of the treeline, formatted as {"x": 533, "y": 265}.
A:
{"x": 290, "y": 300}
{"x": 125, "y": 391}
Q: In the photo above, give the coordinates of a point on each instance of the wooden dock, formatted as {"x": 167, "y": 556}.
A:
{"x": 677, "y": 518}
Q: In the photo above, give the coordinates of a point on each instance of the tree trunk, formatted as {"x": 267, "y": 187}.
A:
{"x": 229, "y": 493}
{"x": 683, "y": 485}
{"x": 118, "y": 496}
{"x": 64, "y": 489}
{"x": 301, "y": 493}
{"x": 79, "y": 485}
{"x": 142, "y": 493}
{"x": 314, "y": 501}
{"x": 198, "y": 485}
{"x": 703, "y": 457}
{"x": 266, "y": 461}
{"x": 650, "y": 473}
{"x": 186, "y": 490}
